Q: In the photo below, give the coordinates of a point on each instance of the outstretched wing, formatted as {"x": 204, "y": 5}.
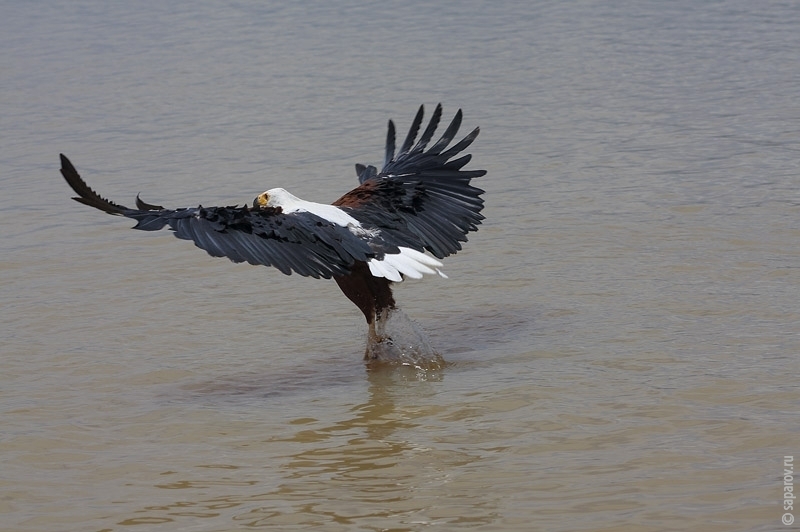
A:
{"x": 425, "y": 191}
{"x": 299, "y": 242}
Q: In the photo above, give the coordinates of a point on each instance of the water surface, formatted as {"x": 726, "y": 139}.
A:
{"x": 622, "y": 334}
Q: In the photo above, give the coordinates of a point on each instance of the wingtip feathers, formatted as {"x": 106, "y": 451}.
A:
{"x": 86, "y": 195}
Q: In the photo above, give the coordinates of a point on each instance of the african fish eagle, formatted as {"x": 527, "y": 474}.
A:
{"x": 376, "y": 234}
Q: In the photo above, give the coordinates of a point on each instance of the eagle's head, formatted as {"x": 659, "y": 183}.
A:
{"x": 274, "y": 197}
{"x": 262, "y": 200}
{"x": 277, "y": 198}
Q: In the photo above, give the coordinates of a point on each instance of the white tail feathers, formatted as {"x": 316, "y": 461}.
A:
{"x": 408, "y": 262}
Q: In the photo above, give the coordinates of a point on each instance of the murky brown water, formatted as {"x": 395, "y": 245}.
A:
{"x": 622, "y": 334}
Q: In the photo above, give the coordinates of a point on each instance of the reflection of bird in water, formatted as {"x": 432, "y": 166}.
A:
{"x": 374, "y": 235}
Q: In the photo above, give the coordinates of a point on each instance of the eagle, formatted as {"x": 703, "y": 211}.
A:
{"x": 398, "y": 222}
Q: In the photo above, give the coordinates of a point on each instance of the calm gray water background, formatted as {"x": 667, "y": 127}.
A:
{"x": 623, "y": 332}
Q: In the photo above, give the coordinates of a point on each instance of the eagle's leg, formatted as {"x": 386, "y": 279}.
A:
{"x": 373, "y": 296}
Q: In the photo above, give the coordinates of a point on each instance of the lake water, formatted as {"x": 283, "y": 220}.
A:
{"x": 622, "y": 334}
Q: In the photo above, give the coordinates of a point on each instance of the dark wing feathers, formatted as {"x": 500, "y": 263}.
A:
{"x": 365, "y": 172}
{"x": 412, "y": 132}
{"x": 299, "y": 242}
{"x": 267, "y": 237}
{"x": 141, "y": 205}
{"x": 447, "y": 136}
{"x": 420, "y": 199}
{"x": 389, "y": 144}
{"x": 86, "y": 195}
{"x": 295, "y": 242}
{"x": 427, "y": 191}
{"x": 427, "y": 135}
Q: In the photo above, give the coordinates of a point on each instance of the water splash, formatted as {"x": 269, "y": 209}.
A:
{"x": 397, "y": 340}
